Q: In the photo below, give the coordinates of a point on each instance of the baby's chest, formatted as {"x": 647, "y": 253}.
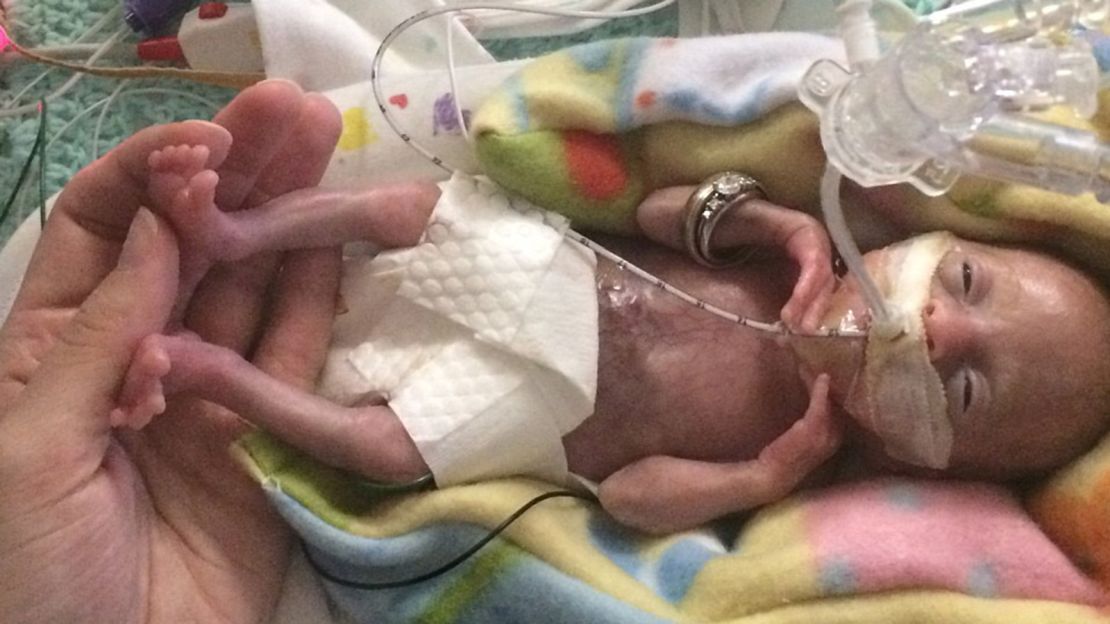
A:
{"x": 732, "y": 425}
{"x": 697, "y": 395}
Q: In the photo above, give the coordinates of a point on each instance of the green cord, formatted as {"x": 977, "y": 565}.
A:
{"x": 36, "y": 151}
{"x": 40, "y": 140}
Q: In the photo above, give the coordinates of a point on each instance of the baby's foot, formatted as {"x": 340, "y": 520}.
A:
{"x": 143, "y": 395}
{"x": 184, "y": 191}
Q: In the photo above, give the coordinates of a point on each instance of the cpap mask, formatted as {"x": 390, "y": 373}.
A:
{"x": 888, "y": 381}
{"x": 948, "y": 98}
{"x": 897, "y": 389}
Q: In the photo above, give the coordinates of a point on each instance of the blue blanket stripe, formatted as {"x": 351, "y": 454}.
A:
{"x": 502, "y": 583}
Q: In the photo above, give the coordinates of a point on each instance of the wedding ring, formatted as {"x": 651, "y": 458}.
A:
{"x": 705, "y": 208}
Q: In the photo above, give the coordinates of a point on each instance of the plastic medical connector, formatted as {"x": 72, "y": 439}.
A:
{"x": 150, "y": 16}
{"x": 944, "y": 100}
{"x": 221, "y": 37}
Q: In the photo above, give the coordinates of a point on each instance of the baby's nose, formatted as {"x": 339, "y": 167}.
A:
{"x": 948, "y": 333}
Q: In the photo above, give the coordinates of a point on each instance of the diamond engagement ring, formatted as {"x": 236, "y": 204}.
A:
{"x": 710, "y": 201}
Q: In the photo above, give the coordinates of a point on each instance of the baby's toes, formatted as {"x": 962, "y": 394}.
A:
{"x": 192, "y": 158}
{"x": 171, "y": 168}
{"x": 184, "y": 160}
{"x": 202, "y": 191}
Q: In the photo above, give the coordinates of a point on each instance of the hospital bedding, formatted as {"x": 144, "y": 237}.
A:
{"x": 884, "y": 551}
{"x": 888, "y": 550}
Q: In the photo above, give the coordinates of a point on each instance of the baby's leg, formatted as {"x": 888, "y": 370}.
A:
{"x": 184, "y": 191}
{"x": 369, "y": 440}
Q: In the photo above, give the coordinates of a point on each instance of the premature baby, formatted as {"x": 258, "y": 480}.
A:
{"x": 694, "y": 418}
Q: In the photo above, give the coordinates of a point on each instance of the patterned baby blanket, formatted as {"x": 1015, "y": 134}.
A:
{"x": 879, "y": 551}
{"x": 888, "y": 551}
{"x": 590, "y": 131}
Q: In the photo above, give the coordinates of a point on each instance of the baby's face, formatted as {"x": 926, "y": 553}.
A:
{"x": 1020, "y": 342}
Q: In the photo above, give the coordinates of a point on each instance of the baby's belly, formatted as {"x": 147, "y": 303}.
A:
{"x": 676, "y": 380}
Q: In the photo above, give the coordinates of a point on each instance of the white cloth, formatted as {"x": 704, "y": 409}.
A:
{"x": 329, "y": 46}
{"x": 322, "y": 44}
{"x": 371, "y": 153}
{"x": 15, "y": 256}
{"x": 483, "y": 337}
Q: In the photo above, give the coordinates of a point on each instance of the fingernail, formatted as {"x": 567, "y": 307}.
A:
{"x": 143, "y": 229}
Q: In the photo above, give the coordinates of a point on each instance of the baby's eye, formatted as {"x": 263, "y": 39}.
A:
{"x": 969, "y": 389}
{"x": 961, "y": 392}
{"x": 967, "y": 274}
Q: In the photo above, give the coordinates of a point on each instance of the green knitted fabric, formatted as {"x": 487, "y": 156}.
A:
{"x": 55, "y": 22}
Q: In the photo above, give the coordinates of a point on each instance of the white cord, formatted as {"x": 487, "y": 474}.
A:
{"x": 459, "y": 117}
{"x": 144, "y": 91}
{"x": 95, "y": 145}
{"x": 95, "y": 28}
{"x": 511, "y": 24}
{"x": 375, "y": 70}
{"x": 67, "y": 85}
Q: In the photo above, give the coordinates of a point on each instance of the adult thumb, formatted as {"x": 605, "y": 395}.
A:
{"x": 62, "y": 413}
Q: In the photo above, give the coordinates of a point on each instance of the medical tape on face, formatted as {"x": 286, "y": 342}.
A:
{"x": 902, "y": 392}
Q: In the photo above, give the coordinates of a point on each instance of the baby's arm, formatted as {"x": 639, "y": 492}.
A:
{"x": 663, "y": 494}
{"x": 760, "y": 223}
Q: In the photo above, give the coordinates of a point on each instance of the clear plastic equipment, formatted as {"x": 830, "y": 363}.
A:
{"x": 950, "y": 98}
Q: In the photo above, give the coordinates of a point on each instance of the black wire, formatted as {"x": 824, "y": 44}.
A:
{"x": 466, "y": 554}
{"x": 36, "y": 150}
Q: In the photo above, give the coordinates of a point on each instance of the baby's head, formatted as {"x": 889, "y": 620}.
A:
{"x": 1021, "y": 344}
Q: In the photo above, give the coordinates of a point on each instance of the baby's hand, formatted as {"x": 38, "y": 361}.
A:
{"x": 804, "y": 239}
{"x": 662, "y": 216}
{"x": 807, "y": 444}
{"x": 662, "y": 494}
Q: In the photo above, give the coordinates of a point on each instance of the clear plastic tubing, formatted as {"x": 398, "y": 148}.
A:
{"x": 1006, "y": 20}
{"x": 846, "y": 245}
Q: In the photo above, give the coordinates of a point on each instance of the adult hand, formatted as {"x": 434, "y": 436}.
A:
{"x": 103, "y": 525}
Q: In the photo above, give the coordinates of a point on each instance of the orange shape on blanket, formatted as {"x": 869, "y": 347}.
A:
{"x": 645, "y": 99}
{"x": 595, "y": 163}
{"x": 1079, "y": 523}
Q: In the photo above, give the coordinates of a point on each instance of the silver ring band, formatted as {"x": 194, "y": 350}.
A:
{"x": 707, "y": 205}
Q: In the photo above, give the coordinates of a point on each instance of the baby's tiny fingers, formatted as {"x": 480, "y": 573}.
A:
{"x": 818, "y": 396}
{"x": 819, "y": 305}
{"x": 814, "y": 281}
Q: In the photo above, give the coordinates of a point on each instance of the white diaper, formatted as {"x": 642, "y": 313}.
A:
{"x": 483, "y": 337}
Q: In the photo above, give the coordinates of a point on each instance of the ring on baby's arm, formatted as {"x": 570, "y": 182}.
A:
{"x": 709, "y": 202}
